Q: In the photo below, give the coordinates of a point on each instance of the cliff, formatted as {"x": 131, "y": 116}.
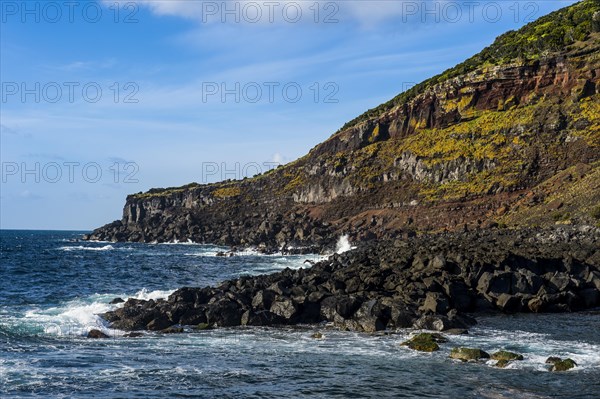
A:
{"x": 509, "y": 138}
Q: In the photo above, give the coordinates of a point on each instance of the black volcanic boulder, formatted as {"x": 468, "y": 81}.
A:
{"x": 452, "y": 320}
{"x": 461, "y": 297}
{"x": 96, "y": 334}
{"x": 329, "y": 310}
{"x": 192, "y": 296}
{"x": 371, "y": 316}
{"x": 346, "y": 306}
{"x": 263, "y": 299}
{"x": 130, "y": 317}
{"x": 261, "y": 318}
{"x": 436, "y": 303}
{"x": 495, "y": 284}
{"x": 159, "y": 323}
{"x": 590, "y": 297}
{"x": 224, "y": 313}
{"x": 425, "y": 282}
{"x": 177, "y": 311}
{"x": 193, "y": 317}
{"x": 401, "y": 316}
{"x": 509, "y": 303}
{"x": 285, "y": 308}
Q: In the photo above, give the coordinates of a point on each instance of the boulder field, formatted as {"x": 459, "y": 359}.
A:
{"x": 433, "y": 282}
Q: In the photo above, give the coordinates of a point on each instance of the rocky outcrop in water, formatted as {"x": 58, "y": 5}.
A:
{"x": 558, "y": 364}
{"x": 468, "y": 354}
{"x": 427, "y": 282}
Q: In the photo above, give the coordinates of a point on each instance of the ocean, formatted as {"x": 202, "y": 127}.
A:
{"x": 52, "y": 286}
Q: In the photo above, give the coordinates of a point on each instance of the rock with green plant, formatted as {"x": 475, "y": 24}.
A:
{"x": 506, "y": 355}
{"x": 558, "y": 364}
{"x": 468, "y": 354}
{"x": 504, "y": 358}
{"x": 425, "y": 342}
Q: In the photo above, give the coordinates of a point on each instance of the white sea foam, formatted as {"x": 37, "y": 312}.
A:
{"x": 78, "y": 317}
{"x": 74, "y": 318}
{"x": 86, "y": 248}
{"x": 209, "y": 252}
{"x": 177, "y": 242}
{"x": 147, "y": 295}
{"x": 276, "y": 260}
{"x": 343, "y": 245}
{"x": 535, "y": 347}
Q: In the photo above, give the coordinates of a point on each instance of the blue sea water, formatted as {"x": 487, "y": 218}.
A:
{"x": 52, "y": 287}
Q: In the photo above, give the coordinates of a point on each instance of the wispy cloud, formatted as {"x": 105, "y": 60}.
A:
{"x": 7, "y": 130}
{"x": 44, "y": 156}
{"x": 364, "y": 12}
{"x": 87, "y": 65}
{"x": 28, "y": 195}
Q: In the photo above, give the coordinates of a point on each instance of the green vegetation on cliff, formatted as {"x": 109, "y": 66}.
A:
{"x": 551, "y": 33}
{"x": 505, "y": 143}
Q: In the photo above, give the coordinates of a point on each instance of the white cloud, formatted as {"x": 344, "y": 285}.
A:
{"x": 179, "y": 8}
{"x": 28, "y": 195}
{"x": 365, "y": 12}
{"x": 7, "y": 130}
{"x": 87, "y": 65}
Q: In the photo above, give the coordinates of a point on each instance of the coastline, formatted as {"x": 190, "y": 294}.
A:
{"x": 428, "y": 282}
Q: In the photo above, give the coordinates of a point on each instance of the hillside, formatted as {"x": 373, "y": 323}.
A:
{"x": 508, "y": 138}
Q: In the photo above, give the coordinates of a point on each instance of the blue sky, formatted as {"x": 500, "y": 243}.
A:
{"x": 100, "y": 99}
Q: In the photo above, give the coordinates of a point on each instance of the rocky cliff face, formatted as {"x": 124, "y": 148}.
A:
{"x": 462, "y": 150}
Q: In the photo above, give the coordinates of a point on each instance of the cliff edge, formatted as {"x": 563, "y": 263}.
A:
{"x": 508, "y": 138}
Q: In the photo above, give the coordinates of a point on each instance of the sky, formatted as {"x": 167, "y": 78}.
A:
{"x": 101, "y": 99}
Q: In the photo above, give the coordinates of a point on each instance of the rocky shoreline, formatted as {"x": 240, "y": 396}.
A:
{"x": 432, "y": 282}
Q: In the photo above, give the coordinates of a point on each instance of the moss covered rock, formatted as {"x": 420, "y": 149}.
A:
{"x": 553, "y": 359}
{"x": 468, "y": 354}
{"x": 425, "y": 342}
{"x": 559, "y": 364}
{"x": 506, "y": 356}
